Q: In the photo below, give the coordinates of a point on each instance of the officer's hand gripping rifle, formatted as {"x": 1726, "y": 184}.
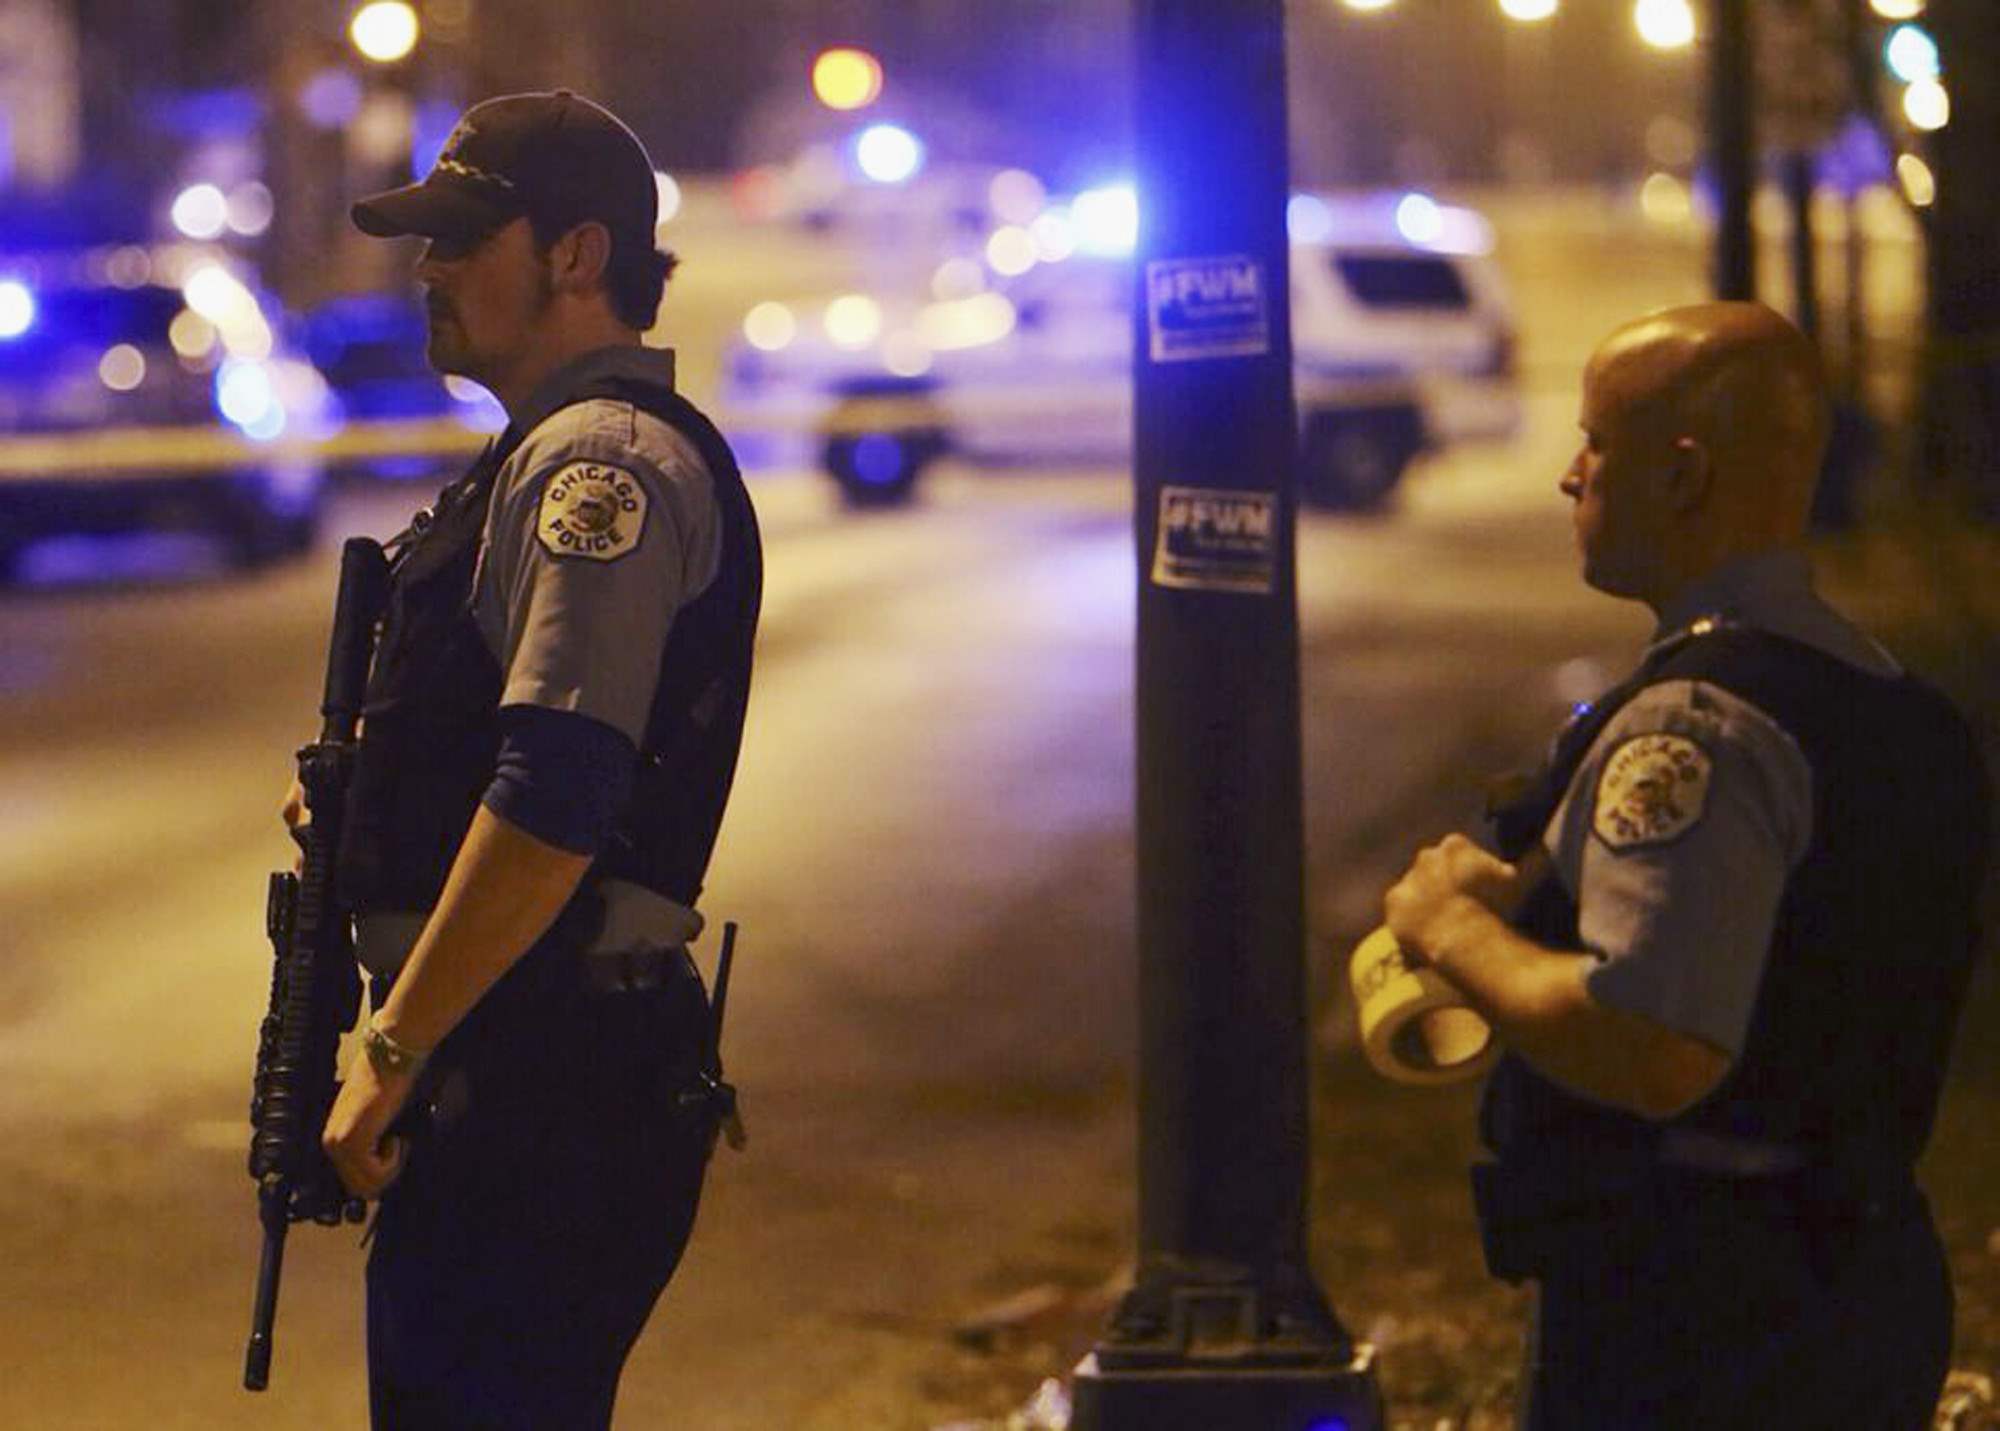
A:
{"x": 315, "y": 987}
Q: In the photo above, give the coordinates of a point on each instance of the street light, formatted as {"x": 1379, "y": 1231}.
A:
{"x": 1665, "y": 24}
{"x": 1919, "y": 183}
{"x": 384, "y": 31}
{"x": 1367, "y": 5}
{"x": 1897, "y": 9}
{"x": 1927, "y": 105}
{"x": 1528, "y": 11}
{"x": 847, "y": 79}
{"x": 1912, "y": 54}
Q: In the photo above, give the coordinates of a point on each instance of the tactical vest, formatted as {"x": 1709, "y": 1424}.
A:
{"x": 1875, "y": 936}
{"x": 430, "y": 736}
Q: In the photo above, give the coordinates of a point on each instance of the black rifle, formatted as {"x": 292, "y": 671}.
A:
{"x": 315, "y": 986}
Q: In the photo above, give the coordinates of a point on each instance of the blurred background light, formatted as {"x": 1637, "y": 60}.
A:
{"x": 1055, "y": 238}
{"x": 1665, "y": 200}
{"x": 249, "y": 209}
{"x": 1016, "y": 196}
{"x": 1367, "y": 5}
{"x": 1665, "y": 24}
{"x": 1010, "y": 252}
{"x": 888, "y": 153}
{"x": 384, "y": 31}
{"x": 847, "y": 79}
{"x": 1528, "y": 11}
{"x": 330, "y": 98}
{"x": 905, "y": 354}
{"x": 200, "y": 211}
{"x": 243, "y": 392}
{"x": 1919, "y": 184}
{"x": 1418, "y": 219}
{"x": 17, "y": 308}
{"x": 853, "y": 320}
{"x": 1912, "y": 54}
{"x": 1106, "y": 220}
{"x": 122, "y": 368}
{"x": 192, "y": 335}
{"x": 669, "y": 191}
{"x": 1308, "y": 219}
{"x": 769, "y": 327}
{"x": 216, "y": 295}
{"x": 957, "y": 278}
{"x": 1927, "y": 105}
{"x": 966, "y": 322}
{"x": 1897, "y": 9}
{"x": 128, "y": 266}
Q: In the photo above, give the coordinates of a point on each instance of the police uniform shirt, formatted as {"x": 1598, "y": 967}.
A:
{"x": 603, "y": 523}
{"x": 1690, "y": 810}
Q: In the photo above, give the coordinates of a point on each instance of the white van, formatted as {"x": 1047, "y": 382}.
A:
{"x": 1398, "y": 346}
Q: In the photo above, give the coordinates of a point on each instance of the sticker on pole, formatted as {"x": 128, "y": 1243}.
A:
{"x": 1206, "y": 308}
{"x": 1213, "y": 540}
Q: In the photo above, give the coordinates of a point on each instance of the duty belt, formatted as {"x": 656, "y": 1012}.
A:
{"x": 637, "y": 940}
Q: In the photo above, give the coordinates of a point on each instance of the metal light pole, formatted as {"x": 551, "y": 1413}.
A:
{"x": 1226, "y": 1326}
{"x": 1732, "y": 148}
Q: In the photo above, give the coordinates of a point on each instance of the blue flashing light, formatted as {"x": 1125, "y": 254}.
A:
{"x": 1329, "y": 1423}
{"x": 1419, "y": 219}
{"x": 17, "y": 308}
{"x": 879, "y": 459}
{"x": 1912, "y": 54}
{"x": 888, "y": 153}
{"x": 1308, "y": 219}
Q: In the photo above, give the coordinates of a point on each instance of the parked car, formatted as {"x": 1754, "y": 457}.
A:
{"x": 146, "y": 392}
{"x": 1400, "y": 345}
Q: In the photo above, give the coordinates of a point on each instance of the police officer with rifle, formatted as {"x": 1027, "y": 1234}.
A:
{"x": 1724, "y": 941}
{"x": 545, "y": 748}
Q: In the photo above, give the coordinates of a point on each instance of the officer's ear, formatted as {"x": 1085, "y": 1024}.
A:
{"x": 581, "y": 256}
{"x": 1690, "y": 474}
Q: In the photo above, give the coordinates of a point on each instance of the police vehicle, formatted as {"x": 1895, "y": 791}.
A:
{"x": 370, "y": 349}
{"x": 1019, "y": 352}
{"x": 145, "y": 393}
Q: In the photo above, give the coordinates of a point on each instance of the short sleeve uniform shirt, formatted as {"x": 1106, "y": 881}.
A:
{"x": 1688, "y": 813}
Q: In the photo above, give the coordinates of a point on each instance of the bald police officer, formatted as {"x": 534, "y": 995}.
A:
{"x": 1724, "y": 942}
{"x": 549, "y": 737}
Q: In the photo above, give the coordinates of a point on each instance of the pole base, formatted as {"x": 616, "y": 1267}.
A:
{"x": 1194, "y": 1396}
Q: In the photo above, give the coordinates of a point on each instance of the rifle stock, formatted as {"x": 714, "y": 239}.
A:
{"x": 315, "y": 985}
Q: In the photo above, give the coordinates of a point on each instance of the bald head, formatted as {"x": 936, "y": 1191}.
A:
{"x": 1746, "y": 387}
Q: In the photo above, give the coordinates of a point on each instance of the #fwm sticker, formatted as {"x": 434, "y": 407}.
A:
{"x": 1206, "y": 308}
{"x": 1211, "y": 539}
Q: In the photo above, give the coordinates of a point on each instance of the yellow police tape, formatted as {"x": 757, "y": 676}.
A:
{"x": 1415, "y": 1028}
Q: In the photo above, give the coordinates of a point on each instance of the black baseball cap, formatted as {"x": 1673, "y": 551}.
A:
{"x": 555, "y": 157}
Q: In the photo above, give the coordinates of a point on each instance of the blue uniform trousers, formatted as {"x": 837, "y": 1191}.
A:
{"x": 517, "y": 1258}
{"x": 1719, "y": 1303}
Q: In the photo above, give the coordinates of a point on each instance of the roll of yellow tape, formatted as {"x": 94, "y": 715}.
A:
{"x": 1414, "y": 1026}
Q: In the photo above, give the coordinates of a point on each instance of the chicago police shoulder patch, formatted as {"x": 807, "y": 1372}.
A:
{"x": 591, "y": 510}
{"x": 1654, "y": 787}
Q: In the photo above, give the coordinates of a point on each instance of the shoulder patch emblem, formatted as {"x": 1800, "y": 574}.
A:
{"x": 591, "y": 510}
{"x": 1653, "y": 788}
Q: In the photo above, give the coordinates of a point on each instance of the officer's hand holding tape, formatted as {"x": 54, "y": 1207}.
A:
{"x": 1415, "y": 1027}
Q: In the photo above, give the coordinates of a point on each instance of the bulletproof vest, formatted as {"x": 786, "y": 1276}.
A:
{"x": 430, "y": 737}
{"x": 1875, "y": 935}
